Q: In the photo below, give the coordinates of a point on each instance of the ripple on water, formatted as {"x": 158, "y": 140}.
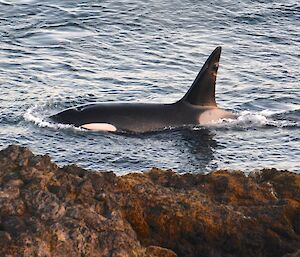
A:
{"x": 59, "y": 54}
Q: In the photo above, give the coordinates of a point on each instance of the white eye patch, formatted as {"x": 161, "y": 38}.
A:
{"x": 99, "y": 127}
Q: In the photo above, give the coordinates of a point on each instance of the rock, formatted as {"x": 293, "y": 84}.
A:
{"x": 50, "y": 211}
{"x": 5, "y": 238}
{"x": 11, "y": 193}
{"x": 13, "y": 225}
{"x": 297, "y": 223}
{"x": 295, "y": 254}
{"x": 157, "y": 251}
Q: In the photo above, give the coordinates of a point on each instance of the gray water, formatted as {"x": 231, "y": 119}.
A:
{"x": 58, "y": 54}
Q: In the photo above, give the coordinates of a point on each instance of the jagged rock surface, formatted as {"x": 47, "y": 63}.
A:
{"x": 50, "y": 211}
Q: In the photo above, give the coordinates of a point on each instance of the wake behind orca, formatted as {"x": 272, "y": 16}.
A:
{"x": 197, "y": 107}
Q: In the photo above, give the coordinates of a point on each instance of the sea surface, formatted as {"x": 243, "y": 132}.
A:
{"x": 59, "y": 54}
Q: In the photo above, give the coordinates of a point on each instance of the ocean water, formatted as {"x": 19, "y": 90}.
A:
{"x": 59, "y": 54}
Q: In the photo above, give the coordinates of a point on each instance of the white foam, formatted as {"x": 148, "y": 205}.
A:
{"x": 249, "y": 119}
{"x": 34, "y": 114}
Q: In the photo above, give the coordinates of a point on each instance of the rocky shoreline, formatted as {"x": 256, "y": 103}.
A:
{"x": 46, "y": 210}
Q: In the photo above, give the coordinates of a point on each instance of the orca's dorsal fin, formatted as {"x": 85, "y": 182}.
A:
{"x": 202, "y": 91}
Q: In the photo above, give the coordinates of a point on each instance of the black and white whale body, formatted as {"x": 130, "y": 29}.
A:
{"x": 198, "y": 106}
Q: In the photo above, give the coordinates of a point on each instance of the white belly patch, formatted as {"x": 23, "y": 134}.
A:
{"x": 99, "y": 127}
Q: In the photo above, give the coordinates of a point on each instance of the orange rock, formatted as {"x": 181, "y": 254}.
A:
{"x": 50, "y": 211}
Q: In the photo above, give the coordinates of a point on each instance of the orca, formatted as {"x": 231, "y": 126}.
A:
{"x": 197, "y": 107}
